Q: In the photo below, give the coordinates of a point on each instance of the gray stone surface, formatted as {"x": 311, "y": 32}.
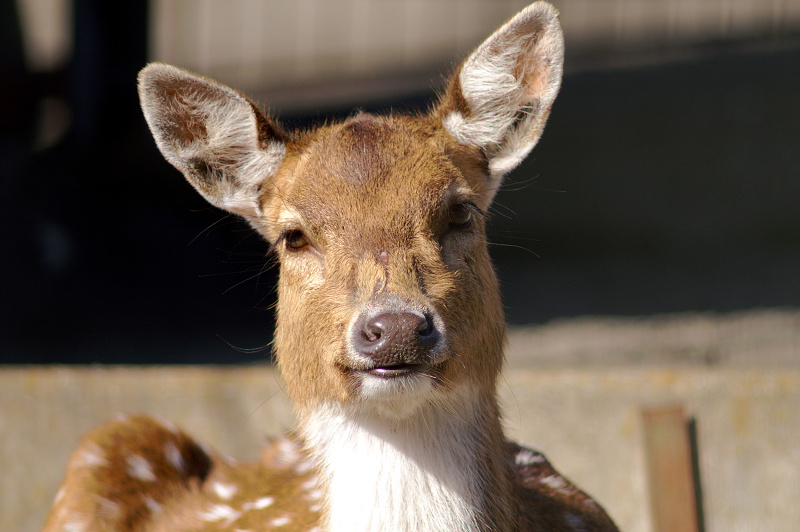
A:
{"x": 574, "y": 389}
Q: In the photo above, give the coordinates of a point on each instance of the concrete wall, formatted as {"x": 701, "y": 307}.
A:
{"x": 574, "y": 389}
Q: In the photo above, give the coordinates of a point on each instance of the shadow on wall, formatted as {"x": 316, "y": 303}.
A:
{"x": 658, "y": 187}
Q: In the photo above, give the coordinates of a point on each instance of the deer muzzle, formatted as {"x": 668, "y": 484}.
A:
{"x": 393, "y": 338}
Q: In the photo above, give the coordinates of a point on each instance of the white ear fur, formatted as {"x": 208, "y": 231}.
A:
{"x": 509, "y": 84}
{"x": 220, "y": 141}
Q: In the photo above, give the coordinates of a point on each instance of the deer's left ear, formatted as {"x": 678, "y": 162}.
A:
{"x": 500, "y": 98}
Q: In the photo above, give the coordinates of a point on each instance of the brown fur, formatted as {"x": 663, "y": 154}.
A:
{"x": 398, "y": 198}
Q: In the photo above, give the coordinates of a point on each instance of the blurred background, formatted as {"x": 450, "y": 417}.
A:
{"x": 668, "y": 178}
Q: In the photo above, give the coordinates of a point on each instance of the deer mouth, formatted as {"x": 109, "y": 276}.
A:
{"x": 393, "y": 372}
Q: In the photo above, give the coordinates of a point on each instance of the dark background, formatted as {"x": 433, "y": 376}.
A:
{"x": 665, "y": 182}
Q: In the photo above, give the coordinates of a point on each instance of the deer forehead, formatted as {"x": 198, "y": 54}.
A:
{"x": 370, "y": 177}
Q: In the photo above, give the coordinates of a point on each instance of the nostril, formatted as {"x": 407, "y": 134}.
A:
{"x": 426, "y": 328}
{"x": 373, "y": 330}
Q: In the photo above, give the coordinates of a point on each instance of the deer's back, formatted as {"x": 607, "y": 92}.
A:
{"x": 140, "y": 475}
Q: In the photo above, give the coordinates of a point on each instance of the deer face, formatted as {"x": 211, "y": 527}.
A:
{"x": 386, "y": 293}
{"x": 384, "y": 280}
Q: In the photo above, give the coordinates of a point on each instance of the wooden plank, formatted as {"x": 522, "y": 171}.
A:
{"x": 670, "y": 469}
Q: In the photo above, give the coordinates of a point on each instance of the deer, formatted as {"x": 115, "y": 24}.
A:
{"x": 390, "y": 329}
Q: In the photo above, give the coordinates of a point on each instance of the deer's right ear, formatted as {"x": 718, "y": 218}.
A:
{"x": 218, "y": 138}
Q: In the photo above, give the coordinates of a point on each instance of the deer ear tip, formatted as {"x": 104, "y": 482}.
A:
{"x": 155, "y": 73}
{"x": 544, "y": 9}
{"x": 545, "y": 16}
{"x": 149, "y": 77}
{"x": 153, "y": 70}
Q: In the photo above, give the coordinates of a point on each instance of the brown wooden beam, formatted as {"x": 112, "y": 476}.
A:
{"x": 674, "y": 492}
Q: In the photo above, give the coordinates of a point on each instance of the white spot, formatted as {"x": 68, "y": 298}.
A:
{"x": 92, "y": 456}
{"x": 315, "y": 529}
{"x": 152, "y": 505}
{"x": 288, "y": 451}
{"x": 224, "y": 491}
{"x": 258, "y": 504}
{"x": 555, "y": 482}
{"x": 303, "y": 467}
{"x": 139, "y": 467}
{"x": 527, "y": 457}
{"x": 220, "y": 512}
{"x": 107, "y": 508}
{"x": 315, "y": 508}
{"x": 174, "y": 457}
{"x": 314, "y": 495}
{"x": 311, "y": 483}
{"x": 589, "y": 503}
{"x": 75, "y": 526}
{"x": 59, "y": 495}
{"x": 281, "y": 521}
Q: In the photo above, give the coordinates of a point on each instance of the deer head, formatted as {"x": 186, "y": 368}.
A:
{"x": 386, "y": 290}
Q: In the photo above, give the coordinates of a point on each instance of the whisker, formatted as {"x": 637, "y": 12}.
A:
{"x": 227, "y": 218}
{"x": 258, "y": 268}
{"x": 245, "y": 280}
{"x": 516, "y": 186}
{"x": 509, "y": 213}
{"x": 247, "y": 350}
{"x": 265, "y": 401}
{"x": 515, "y": 246}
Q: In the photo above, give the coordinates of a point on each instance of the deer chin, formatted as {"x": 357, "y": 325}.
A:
{"x": 395, "y": 392}
{"x": 401, "y": 405}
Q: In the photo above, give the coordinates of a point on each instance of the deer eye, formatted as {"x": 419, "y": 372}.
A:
{"x": 295, "y": 239}
{"x": 460, "y": 216}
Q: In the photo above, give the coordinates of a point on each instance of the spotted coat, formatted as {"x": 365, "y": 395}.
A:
{"x": 142, "y": 475}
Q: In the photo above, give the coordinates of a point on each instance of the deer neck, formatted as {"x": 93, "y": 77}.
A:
{"x": 442, "y": 469}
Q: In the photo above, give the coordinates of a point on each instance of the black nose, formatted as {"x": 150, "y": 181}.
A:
{"x": 394, "y": 339}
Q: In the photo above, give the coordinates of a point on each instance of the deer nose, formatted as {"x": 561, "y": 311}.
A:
{"x": 394, "y": 340}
